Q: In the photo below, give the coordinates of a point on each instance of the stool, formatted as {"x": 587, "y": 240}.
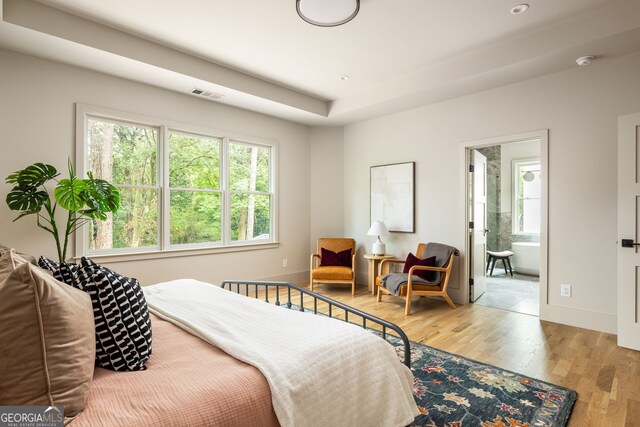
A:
{"x": 504, "y": 256}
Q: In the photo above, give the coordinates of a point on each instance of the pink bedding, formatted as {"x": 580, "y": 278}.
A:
{"x": 188, "y": 383}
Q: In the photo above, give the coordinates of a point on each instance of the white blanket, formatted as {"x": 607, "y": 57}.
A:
{"x": 321, "y": 371}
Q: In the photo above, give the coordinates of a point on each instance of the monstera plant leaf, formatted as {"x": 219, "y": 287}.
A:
{"x": 71, "y": 194}
{"x": 33, "y": 176}
{"x": 102, "y": 195}
{"x": 26, "y": 199}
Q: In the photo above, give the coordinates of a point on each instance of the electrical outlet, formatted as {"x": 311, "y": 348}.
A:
{"x": 285, "y": 263}
{"x": 565, "y": 290}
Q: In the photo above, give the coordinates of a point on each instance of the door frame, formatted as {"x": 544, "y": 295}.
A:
{"x": 543, "y": 136}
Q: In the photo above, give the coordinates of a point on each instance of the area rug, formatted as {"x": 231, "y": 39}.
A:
{"x": 453, "y": 391}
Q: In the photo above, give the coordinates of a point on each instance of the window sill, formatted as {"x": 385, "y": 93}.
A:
{"x": 176, "y": 253}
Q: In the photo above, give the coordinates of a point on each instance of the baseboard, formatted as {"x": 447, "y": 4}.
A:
{"x": 601, "y": 322}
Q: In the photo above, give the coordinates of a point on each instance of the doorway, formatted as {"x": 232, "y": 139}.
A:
{"x": 506, "y": 235}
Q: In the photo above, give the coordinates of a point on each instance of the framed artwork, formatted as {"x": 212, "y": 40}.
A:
{"x": 392, "y": 196}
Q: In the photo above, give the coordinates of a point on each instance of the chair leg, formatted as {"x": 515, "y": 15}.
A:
{"x": 504, "y": 264}
{"x": 488, "y": 262}
{"x": 407, "y": 306}
{"x": 379, "y": 296}
{"x": 353, "y": 287}
{"x": 493, "y": 264}
{"x": 509, "y": 263}
{"x": 448, "y": 300}
{"x": 311, "y": 283}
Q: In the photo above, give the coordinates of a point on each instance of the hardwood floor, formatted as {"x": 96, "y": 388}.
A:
{"x": 606, "y": 377}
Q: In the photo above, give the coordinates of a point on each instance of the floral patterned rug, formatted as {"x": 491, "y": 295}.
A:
{"x": 452, "y": 391}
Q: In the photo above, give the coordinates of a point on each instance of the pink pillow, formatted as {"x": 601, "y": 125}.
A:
{"x": 330, "y": 258}
{"x": 426, "y": 262}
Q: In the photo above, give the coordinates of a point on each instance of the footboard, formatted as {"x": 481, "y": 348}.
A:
{"x": 285, "y": 293}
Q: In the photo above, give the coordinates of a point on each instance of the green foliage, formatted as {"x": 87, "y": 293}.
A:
{"x": 196, "y": 217}
{"x": 84, "y": 199}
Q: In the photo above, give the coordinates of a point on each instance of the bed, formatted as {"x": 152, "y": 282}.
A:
{"x": 190, "y": 382}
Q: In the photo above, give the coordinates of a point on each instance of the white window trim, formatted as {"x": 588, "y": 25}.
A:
{"x": 515, "y": 163}
{"x": 164, "y": 126}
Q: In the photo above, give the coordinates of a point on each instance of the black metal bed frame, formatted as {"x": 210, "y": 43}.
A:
{"x": 241, "y": 285}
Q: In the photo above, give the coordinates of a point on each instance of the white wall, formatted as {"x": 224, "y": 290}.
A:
{"x": 327, "y": 183}
{"x": 580, "y": 108}
{"x": 38, "y": 125}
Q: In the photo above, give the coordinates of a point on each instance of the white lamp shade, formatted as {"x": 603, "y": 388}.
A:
{"x": 378, "y": 229}
{"x": 327, "y": 13}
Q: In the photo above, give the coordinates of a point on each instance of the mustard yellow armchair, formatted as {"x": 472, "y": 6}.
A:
{"x": 338, "y": 264}
{"x": 410, "y": 285}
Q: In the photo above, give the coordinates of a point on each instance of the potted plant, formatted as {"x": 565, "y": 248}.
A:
{"x": 85, "y": 200}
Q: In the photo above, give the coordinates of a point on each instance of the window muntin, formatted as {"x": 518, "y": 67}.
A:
{"x": 527, "y": 192}
{"x": 180, "y": 189}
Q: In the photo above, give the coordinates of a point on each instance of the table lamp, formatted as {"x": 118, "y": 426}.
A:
{"x": 378, "y": 229}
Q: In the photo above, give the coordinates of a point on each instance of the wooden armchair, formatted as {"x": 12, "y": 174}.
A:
{"x": 436, "y": 287}
{"x": 322, "y": 273}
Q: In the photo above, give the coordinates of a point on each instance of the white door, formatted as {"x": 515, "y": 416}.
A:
{"x": 629, "y": 231}
{"x": 478, "y": 267}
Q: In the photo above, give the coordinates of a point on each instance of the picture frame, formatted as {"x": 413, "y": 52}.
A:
{"x": 393, "y": 196}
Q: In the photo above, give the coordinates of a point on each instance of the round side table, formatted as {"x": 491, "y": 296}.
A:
{"x": 374, "y": 262}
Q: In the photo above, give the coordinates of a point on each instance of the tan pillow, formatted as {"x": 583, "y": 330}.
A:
{"x": 29, "y": 258}
{"x": 47, "y": 341}
{"x": 9, "y": 261}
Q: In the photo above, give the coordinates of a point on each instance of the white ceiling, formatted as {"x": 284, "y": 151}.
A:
{"x": 262, "y": 56}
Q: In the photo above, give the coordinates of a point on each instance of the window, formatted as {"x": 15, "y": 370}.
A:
{"x": 180, "y": 188}
{"x": 526, "y": 196}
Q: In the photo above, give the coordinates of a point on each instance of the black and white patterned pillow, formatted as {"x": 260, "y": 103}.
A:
{"x": 123, "y": 325}
{"x": 64, "y": 272}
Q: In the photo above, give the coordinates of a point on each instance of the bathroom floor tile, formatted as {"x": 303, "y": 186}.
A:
{"x": 517, "y": 293}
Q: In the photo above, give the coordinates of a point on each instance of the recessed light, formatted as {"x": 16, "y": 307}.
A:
{"x": 344, "y": 78}
{"x": 521, "y": 8}
{"x": 585, "y": 60}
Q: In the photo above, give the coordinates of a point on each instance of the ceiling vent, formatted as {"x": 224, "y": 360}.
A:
{"x": 207, "y": 94}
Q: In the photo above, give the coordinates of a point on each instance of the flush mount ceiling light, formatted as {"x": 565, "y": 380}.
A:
{"x": 585, "y": 60}
{"x": 521, "y": 8}
{"x": 327, "y": 13}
